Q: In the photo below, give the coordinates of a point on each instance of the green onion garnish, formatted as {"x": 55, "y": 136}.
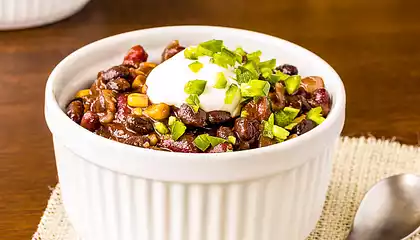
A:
{"x": 255, "y": 88}
{"x": 193, "y": 101}
{"x": 278, "y": 76}
{"x": 171, "y": 120}
{"x": 295, "y": 122}
{"x": 177, "y": 129}
{"x": 291, "y": 112}
{"x": 195, "y": 66}
{"x": 210, "y": 47}
{"x": 315, "y": 114}
{"x": 268, "y": 64}
{"x": 285, "y": 117}
{"x": 160, "y": 128}
{"x": 221, "y": 81}
{"x": 224, "y": 58}
{"x": 232, "y": 140}
{"x": 239, "y": 54}
{"x": 191, "y": 53}
{"x": 253, "y": 67}
{"x": 254, "y": 57}
{"x": 231, "y": 93}
{"x": 244, "y": 75}
{"x": 268, "y": 127}
{"x": 292, "y": 84}
{"x": 279, "y": 133}
{"x": 204, "y": 141}
{"x": 195, "y": 87}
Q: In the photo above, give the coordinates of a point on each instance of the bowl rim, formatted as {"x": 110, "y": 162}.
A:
{"x": 338, "y": 106}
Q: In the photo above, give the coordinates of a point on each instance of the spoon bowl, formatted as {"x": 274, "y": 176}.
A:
{"x": 390, "y": 210}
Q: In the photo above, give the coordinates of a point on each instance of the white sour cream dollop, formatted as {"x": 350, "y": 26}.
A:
{"x": 166, "y": 84}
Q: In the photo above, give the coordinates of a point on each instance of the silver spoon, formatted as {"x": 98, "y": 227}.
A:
{"x": 390, "y": 210}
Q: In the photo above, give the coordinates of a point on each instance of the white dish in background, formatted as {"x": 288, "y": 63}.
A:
{"x": 20, "y": 14}
{"x": 115, "y": 191}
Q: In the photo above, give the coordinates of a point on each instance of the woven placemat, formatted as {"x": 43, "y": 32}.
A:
{"x": 359, "y": 163}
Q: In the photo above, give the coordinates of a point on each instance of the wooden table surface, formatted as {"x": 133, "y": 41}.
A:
{"x": 374, "y": 46}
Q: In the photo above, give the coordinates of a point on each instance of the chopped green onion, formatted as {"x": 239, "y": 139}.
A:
{"x": 266, "y": 72}
{"x": 224, "y": 58}
{"x": 191, "y": 53}
{"x": 244, "y": 75}
{"x": 202, "y": 142}
{"x": 282, "y": 119}
{"x": 195, "y": 87}
{"x": 268, "y": 64}
{"x": 231, "y": 93}
{"x": 291, "y": 126}
{"x": 239, "y": 54}
{"x": 171, "y": 120}
{"x": 278, "y": 76}
{"x": 177, "y": 129}
{"x": 193, "y": 101}
{"x": 268, "y": 127}
{"x": 221, "y": 81}
{"x": 292, "y": 84}
{"x": 255, "y": 88}
{"x": 232, "y": 139}
{"x": 291, "y": 112}
{"x": 280, "y": 134}
{"x": 315, "y": 114}
{"x": 160, "y": 128}
{"x": 254, "y": 57}
{"x": 295, "y": 122}
{"x": 195, "y": 66}
{"x": 210, "y": 47}
{"x": 214, "y": 141}
{"x": 253, "y": 67}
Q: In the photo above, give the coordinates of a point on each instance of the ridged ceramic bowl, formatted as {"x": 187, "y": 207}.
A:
{"x": 113, "y": 191}
{"x": 19, "y": 14}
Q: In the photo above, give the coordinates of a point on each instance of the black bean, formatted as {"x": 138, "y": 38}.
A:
{"x": 191, "y": 118}
{"x": 75, "y": 110}
{"x": 305, "y": 126}
{"x": 115, "y": 72}
{"x": 219, "y": 117}
{"x": 288, "y": 69}
{"x": 119, "y": 85}
{"x": 224, "y": 132}
{"x": 246, "y": 129}
{"x": 140, "y": 125}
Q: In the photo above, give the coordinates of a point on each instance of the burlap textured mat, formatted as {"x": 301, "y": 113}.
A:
{"x": 359, "y": 163}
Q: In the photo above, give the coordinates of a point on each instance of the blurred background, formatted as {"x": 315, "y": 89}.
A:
{"x": 373, "y": 45}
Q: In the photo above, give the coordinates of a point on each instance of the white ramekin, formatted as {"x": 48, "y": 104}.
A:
{"x": 113, "y": 191}
{"x": 18, "y": 14}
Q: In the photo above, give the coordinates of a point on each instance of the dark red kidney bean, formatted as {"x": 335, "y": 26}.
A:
{"x": 265, "y": 141}
{"x": 90, "y": 121}
{"x": 140, "y": 125}
{"x": 75, "y": 110}
{"x": 219, "y": 117}
{"x": 321, "y": 98}
{"x": 222, "y": 147}
{"x": 258, "y": 110}
{"x": 246, "y": 129}
{"x": 138, "y": 141}
{"x": 310, "y": 84}
{"x": 117, "y": 132}
{"x": 172, "y": 49}
{"x": 294, "y": 101}
{"x": 122, "y": 108}
{"x": 191, "y": 118}
{"x": 184, "y": 144}
{"x": 114, "y": 73}
{"x": 119, "y": 85}
{"x": 135, "y": 56}
{"x": 243, "y": 145}
{"x": 305, "y": 126}
{"x": 288, "y": 69}
{"x": 278, "y": 97}
{"x": 224, "y": 132}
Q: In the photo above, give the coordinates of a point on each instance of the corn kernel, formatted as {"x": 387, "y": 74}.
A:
{"x": 139, "y": 81}
{"x": 137, "y": 100}
{"x": 137, "y": 111}
{"x": 158, "y": 111}
{"x": 153, "y": 139}
{"x": 83, "y": 93}
{"x": 146, "y": 67}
